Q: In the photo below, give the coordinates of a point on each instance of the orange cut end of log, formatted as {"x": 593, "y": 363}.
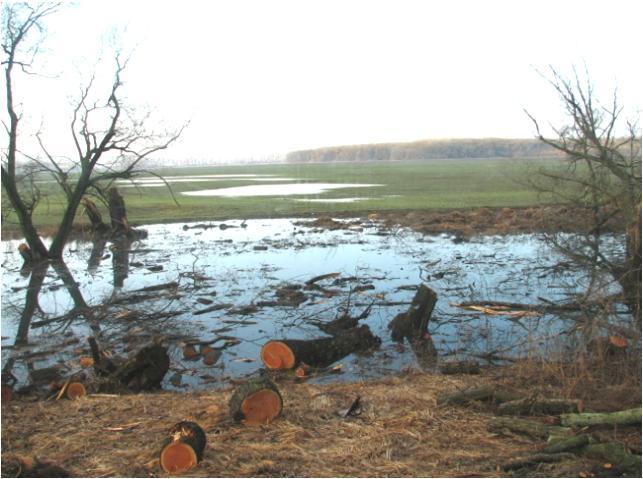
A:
{"x": 618, "y": 341}
{"x": 7, "y": 393}
{"x": 189, "y": 352}
{"x": 86, "y": 362}
{"x": 211, "y": 358}
{"x": 22, "y": 247}
{"x": 261, "y": 407}
{"x": 75, "y": 391}
{"x": 177, "y": 457}
{"x": 277, "y": 355}
{"x": 205, "y": 350}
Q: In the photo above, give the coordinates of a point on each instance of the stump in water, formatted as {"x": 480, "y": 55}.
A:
{"x": 183, "y": 448}
{"x": 414, "y": 326}
{"x": 414, "y": 323}
{"x": 257, "y": 401}
{"x": 117, "y": 212}
{"x": 94, "y": 216}
{"x": 146, "y": 370}
{"x": 319, "y": 353}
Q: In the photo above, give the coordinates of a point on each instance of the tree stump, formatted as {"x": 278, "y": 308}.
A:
{"x": 318, "y": 353}
{"x": 414, "y": 323}
{"x": 256, "y": 401}
{"x": 95, "y": 218}
{"x": 183, "y": 448}
{"x": 117, "y": 212}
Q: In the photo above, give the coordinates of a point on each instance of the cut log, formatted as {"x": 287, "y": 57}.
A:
{"x": 183, "y": 448}
{"x": 487, "y": 393}
{"x": 414, "y": 323}
{"x": 190, "y": 353}
{"x": 319, "y": 353}
{"x": 568, "y": 444}
{"x": 535, "y": 459}
{"x": 256, "y": 401}
{"x": 460, "y": 367}
{"x": 629, "y": 416}
{"x": 532, "y": 407}
{"x": 527, "y": 427}
{"x": 616, "y": 454}
{"x": 7, "y": 393}
{"x": 75, "y": 391}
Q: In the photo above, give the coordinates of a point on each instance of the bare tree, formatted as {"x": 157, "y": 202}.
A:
{"x": 601, "y": 177}
{"x": 110, "y": 139}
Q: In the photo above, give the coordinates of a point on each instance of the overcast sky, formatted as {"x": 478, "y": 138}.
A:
{"x": 257, "y": 78}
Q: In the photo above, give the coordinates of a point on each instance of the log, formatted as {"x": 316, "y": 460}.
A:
{"x": 627, "y": 417}
{"x": 487, "y": 392}
{"x": 568, "y": 444}
{"x": 616, "y": 454}
{"x": 414, "y": 323}
{"x": 527, "y": 427}
{"x": 256, "y": 401}
{"x": 532, "y": 407}
{"x": 146, "y": 370}
{"x": 319, "y": 353}
{"x": 460, "y": 367}
{"x": 75, "y": 390}
{"x": 535, "y": 459}
{"x": 183, "y": 448}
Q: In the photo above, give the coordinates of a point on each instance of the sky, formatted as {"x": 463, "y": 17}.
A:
{"x": 256, "y": 79}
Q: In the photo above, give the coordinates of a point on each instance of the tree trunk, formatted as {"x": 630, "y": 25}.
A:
{"x": 94, "y": 216}
{"x": 58, "y": 244}
{"x": 318, "y": 353}
{"x": 117, "y": 213}
{"x": 629, "y": 416}
{"x": 32, "y": 238}
{"x": 256, "y": 401}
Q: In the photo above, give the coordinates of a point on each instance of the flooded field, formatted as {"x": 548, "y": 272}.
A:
{"x": 236, "y": 285}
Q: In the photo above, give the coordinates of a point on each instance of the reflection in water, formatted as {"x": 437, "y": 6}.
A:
{"x": 120, "y": 261}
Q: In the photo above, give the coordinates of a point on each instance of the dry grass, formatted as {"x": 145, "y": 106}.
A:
{"x": 402, "y": 431}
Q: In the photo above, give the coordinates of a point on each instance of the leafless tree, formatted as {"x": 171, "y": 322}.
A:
{"x": 600, "y": 177}
{"x": 110, "y": 139}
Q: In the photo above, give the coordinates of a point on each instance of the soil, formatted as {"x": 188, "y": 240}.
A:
{"x": 400, "y": 430}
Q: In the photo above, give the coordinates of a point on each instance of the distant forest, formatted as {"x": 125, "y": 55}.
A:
{"x": 427, "y": 150}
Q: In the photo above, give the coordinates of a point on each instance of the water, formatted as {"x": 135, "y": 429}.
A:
{"x": 241, "y": 265}
{"x": 286, "y": 189}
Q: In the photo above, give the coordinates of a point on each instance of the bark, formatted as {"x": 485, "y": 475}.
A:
{"x": 256, "y": 401}
{"x": 627, "y": 417}
{"x": 31, "y": 302}
{"x": 528, "y": 427}
{"x": 616, "y": 454}
{"x": 323, "y": 352}
{"x": 530, "y": 407}
{"x": 146, "y": 370}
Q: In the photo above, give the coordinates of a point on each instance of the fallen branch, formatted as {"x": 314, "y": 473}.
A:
{"x": 536, "y": 459}
{"x": 528, "y": 428}
{"x": 487, "y": 392}
{"x": 530, "y": 407}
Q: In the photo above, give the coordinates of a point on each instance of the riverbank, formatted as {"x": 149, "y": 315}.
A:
{"x": 404, "y": 429}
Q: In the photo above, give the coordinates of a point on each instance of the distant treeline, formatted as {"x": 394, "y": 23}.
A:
{"x": 427, "y": 150}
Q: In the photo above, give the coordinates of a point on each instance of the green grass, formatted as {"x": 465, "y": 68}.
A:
{"x": 406, "y": 185}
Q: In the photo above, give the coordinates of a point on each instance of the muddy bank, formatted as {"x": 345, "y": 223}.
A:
{"x": 466, "y": 222}
{"x": 403, "y": 429}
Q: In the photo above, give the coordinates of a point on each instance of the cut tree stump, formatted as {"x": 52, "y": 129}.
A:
{"x": 629, "y": 416}
{"x": 94, "y": 216}
{"x": 318, "y": 353}
{"x": 414, "y": 323}
{"x": 532, "y": 407}
{"x": 256, "y": 401}
{"x": 183, "y": 448}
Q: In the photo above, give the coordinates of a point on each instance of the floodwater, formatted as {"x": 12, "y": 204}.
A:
{"x": 286, "y": 189}
{"x": 224, "y": 281}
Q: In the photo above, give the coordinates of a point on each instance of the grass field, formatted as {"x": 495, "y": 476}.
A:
{"x": 405, "y": 185}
